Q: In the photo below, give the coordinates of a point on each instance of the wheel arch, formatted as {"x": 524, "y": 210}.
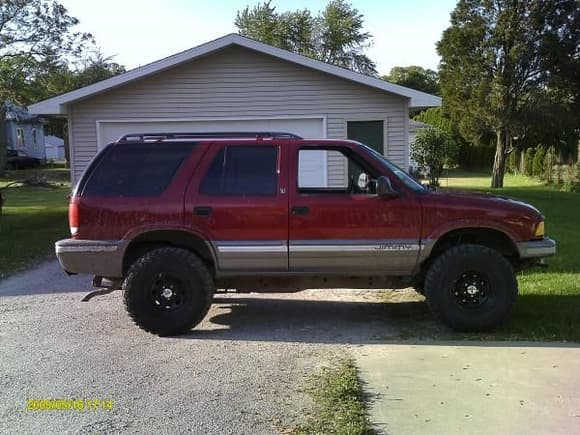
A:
{"x": 486, "y": 236}
{"x": 148, "y": 240}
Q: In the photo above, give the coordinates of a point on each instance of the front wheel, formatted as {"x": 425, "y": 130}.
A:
{"x": 471, "y": 288}
{"x": 168, "y": 291}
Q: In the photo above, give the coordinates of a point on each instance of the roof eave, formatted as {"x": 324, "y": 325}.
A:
{"x": 424, "y": 102}
{"x": 58, "y": 105}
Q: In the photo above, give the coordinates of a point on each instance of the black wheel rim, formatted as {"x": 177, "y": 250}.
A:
{"x": 167, "y": 293}
{"x": 472, "y": 290}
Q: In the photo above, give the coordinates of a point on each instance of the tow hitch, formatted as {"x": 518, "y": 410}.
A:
{"x": 105, "y": 286}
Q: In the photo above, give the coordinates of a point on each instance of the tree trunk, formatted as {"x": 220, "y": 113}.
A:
{"x": 3, "y": 138}
{"x": 499, "y": 160}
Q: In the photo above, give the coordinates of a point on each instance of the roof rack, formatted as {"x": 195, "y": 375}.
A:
{"x": 158, "y": 137}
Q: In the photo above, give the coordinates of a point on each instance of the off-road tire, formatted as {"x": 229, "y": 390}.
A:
{"x": 447, "y": 274}
{"x": 181, "y": 266}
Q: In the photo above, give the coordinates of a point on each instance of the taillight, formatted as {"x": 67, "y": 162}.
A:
{"x": 73, "y": 216}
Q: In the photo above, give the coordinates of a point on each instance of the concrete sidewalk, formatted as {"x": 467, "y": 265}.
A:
{"x": 465, "y": 388}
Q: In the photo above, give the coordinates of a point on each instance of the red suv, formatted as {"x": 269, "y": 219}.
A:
{"x": 173, "y": 217}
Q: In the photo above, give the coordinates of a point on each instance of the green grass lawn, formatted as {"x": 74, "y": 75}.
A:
{"x": 32, "y": 220}
{"x": 549, "y": 303}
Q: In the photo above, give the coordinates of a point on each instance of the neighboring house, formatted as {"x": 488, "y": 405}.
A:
{"x": 24, "y": 131}
{"x": 54, "y": 147}
{"x": 236, "y": 84}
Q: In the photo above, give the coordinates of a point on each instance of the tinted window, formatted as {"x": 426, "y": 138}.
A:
{"x": 242, "y": 170}
{"x": 136, "y": 169}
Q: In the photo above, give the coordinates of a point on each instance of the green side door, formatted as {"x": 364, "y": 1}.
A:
{"x": 370, "y": 133}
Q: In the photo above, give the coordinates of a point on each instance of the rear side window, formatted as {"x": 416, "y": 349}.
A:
{"x": 136, "y": 169}
{"x": 242, "y": 171}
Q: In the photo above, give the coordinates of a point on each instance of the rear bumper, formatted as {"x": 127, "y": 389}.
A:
{"x": 95, "y": 257}
{"x": 537, "y": 248}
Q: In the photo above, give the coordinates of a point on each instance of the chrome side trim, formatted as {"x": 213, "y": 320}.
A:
{"x": 263, "y": 256}
{"x": 426, "y": 248}
{"x": 257, "y": 248}
{"x": 354, "y": 256}
{"x": 328, "y": 256}
{"x": 390, "y": 247}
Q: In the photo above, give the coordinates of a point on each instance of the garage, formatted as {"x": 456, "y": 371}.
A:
{"x": 237, "y": 84}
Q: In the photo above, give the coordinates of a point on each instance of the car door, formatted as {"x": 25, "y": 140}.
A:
{"x": 237, "y": 200}
{"x": 342, "y": 228}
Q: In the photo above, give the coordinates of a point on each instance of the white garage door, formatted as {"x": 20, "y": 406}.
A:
{"x": 309, "y": 128}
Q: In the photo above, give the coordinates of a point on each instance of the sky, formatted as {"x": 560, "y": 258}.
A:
{"x": 137, "y": 32}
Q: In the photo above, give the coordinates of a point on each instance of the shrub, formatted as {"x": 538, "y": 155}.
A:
{"x": 539, "y": 157}
{"x": 432, "y": 149}
{"x": 512, "y": 164}
{"x": 559, "y": 174}
{"x": 529, "y": 162}
{"x": 549, "y": 162}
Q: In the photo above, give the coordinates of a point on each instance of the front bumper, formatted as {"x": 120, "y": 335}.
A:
{"x": 95, "y": 257}
{"x": 545, "y": 247}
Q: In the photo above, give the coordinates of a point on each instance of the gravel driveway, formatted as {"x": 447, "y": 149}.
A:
{"x": 241, "y": 371}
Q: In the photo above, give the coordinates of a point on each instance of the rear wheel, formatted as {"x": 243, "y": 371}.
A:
{"x": 168, "y": 291}
{"x": 471, "y": 288}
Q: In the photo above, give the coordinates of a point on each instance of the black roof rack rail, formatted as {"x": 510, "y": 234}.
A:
{"x": 142, "y": 137}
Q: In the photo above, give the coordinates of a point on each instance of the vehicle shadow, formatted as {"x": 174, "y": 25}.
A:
{"x": 314, "y": 321}
{"x": 272, "y": 319}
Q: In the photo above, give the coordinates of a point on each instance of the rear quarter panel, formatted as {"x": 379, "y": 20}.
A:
{"x": 115, "y": 218}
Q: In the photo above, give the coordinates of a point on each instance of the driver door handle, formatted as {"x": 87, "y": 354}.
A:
{"x": 202, "y": 211}
{"x": 300, "y": 210}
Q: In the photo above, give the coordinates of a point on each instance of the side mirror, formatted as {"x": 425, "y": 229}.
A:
{"x": 385, "y": 188}
{"x": 363, "y": 181}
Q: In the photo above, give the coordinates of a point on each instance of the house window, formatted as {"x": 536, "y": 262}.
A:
{"x": 34, "y": 141}
{"x": 20, "y": 138}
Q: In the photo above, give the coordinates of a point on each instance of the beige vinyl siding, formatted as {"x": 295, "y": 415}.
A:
{"x": 337, "y": 169}
{"x": 235, "y": 83}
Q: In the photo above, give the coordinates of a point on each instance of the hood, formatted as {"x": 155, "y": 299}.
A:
{"x": 486, "y": 200}
{"x": 449, "y": 209}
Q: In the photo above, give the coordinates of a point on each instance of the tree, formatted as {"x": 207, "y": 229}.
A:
{"x": 512, "y": 164}
{"x": 549, "y": 161}
{"x": 56, "y": 79}
{"x": 33, "y": 33}
{"x": 499, "y": 58}
{"x": 335, "y": 36}
{"x": 538, "y": 163}
{"x": 415, "y": 77}
{"x": 432, "y": 149}
{"x": 529, "y": 162}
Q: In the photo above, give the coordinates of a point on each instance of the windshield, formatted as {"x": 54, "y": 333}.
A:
{"x": 409, "y": 181}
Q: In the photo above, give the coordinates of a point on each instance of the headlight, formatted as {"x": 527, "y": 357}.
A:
{"x": 539, "y": 233}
